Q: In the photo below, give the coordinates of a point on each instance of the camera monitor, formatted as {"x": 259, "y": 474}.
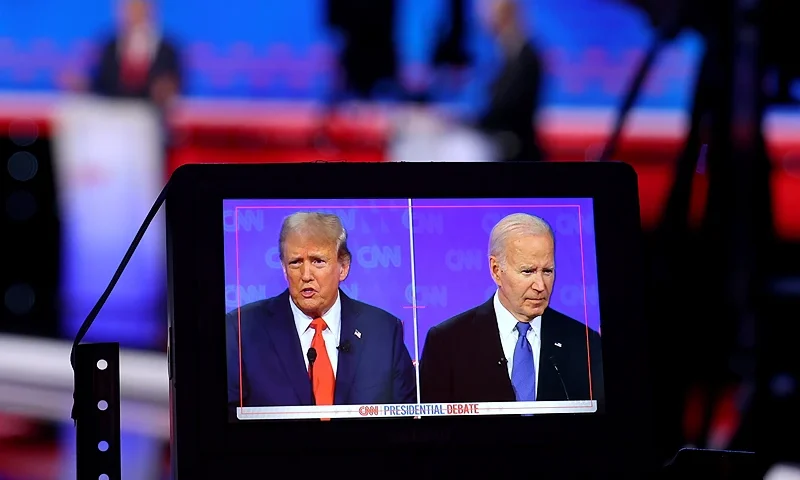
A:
{"x": 316, "y": 297}
{"x": 425, "y": 307}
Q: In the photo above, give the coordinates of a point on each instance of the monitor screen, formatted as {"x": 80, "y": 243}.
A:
{"x": 411, "y": 307}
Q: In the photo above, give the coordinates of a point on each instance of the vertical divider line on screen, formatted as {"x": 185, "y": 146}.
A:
{"x": 238, "y": 305}
{"x": 413, "y": 294}
{"x": 585, "y": 306}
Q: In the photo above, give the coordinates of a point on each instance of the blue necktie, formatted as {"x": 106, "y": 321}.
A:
{"x": 523, "y": 372}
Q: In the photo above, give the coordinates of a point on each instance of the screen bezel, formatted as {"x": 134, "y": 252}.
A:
{"x": 205, "y": 440}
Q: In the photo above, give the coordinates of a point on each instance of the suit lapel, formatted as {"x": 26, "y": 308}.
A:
{"x": 509, "y": 71}
{"x": 348, "y": 361}
{"x": 550, "y": 387}
{"x": 490, "y": 347}
{"x": 283, "y": 333}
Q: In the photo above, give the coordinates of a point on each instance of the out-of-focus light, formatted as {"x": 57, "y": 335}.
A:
{"x": 783, "y": 385}
{"x": 783, "y": 472}
{"x": 20, "y": 298}
{"x": 786, "y": 286}
{"x": 22, "y": 166}
{"x": 23, "y": 131}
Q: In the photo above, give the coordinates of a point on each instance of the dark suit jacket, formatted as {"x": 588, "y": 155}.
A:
{"x": 377, "y": 369}
{"x": 368, "y": 54}
{"x": 107, "y": 81}
{"x": 463, "y": 360}
{"x": 513, "y": 105}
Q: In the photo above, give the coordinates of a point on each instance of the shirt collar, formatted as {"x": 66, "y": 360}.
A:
{"x": 333, "y": 317}
{"x": 507, "y": 323}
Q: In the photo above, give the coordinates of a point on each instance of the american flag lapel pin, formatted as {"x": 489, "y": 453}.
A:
{"x": 357, "y": 334}
{"x": 557, "y": 344}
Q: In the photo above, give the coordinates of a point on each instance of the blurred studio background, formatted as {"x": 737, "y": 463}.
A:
{"x": 100, "y": 100}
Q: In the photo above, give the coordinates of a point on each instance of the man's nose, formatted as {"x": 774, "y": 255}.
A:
{"x": 306, "y": 273}
{"x": 538, "y": 282}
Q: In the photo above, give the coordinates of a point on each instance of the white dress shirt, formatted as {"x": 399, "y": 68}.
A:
{"x": 507, "y": 325}
{"x": 333, "y": 318}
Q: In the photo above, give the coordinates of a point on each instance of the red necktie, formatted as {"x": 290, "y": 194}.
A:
{"x": 323, "y": 380}
{"x": 134, "y": 70}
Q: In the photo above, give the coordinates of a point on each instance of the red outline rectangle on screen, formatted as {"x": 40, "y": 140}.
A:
{"x": 328, "y": 207}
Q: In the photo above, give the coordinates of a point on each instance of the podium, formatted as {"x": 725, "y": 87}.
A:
{"x": 109, "y": 168}
{"x": 421, "y": 136}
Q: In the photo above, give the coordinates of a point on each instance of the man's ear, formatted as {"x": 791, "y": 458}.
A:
{"x": 494, "y": 269}
{"x": 344, "y": 269}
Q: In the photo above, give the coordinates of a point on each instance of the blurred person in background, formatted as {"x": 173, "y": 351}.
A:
{"x": 515, "y": 92}
{"x": 366, "y": 58}
{"x": 368, "y": 55}
{"x": 137, "y": 61}
{"x": 451, "y": 41}
{"x": 451, "y": 56}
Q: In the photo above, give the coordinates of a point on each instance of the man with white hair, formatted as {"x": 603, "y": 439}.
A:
{"x": 312, "y": 344}
{"x": 514, "y": 95}
{"x": 514, "y": 347}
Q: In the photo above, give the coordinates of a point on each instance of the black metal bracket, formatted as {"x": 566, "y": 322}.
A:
{"x": 97, "y": 411}
{"x": 705, "y": 463}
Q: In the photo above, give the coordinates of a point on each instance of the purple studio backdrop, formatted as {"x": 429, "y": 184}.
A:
{"x": 432, "y": 253}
